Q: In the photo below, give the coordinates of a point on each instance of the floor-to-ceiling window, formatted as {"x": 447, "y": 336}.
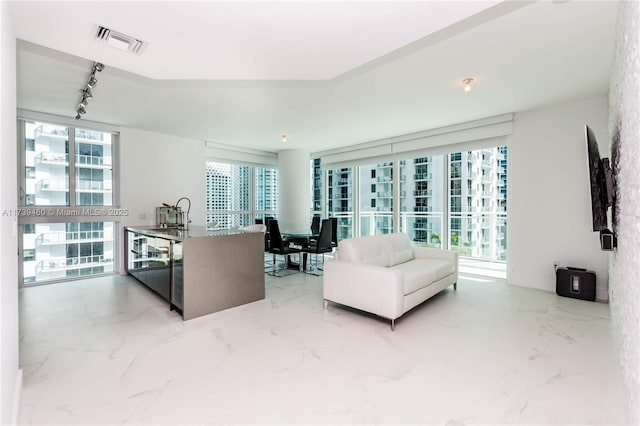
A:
{"x": 421, "y": 200}
{"x": 265, "y": 192}
{"x": 455, "y": 201}
{"x": 376, "y": 199}
{"x": 316, "y": 187}
{"x": 227, "y": 194}
{"x": 477, "y": 203}
{"x": 236, "y": 194}
{"x": 68, "y": 211}
{"x": 340, "y": 186}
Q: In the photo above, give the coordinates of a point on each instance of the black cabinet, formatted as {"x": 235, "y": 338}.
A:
{"x": 157, "y": 263}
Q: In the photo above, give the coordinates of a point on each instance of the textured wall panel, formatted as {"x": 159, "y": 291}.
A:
{"x": 624, "y": 127}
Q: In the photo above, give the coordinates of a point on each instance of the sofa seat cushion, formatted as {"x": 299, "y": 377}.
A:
{"x": 420, "y": 273}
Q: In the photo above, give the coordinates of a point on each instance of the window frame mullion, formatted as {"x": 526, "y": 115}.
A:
{"x": 71, "y": 140}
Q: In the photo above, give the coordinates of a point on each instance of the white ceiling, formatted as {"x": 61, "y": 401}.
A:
{"x": 328, "y": 73}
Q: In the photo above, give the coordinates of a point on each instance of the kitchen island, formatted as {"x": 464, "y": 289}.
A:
{"x": 197, "y": 271}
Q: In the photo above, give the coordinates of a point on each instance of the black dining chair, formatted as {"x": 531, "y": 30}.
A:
{"x": 320, "y": 246}
{"x": 315, "y": 224}
{"x": 334, "y": 232}
{"x": 267, "y": 243}
{"x": 277, "y": 247}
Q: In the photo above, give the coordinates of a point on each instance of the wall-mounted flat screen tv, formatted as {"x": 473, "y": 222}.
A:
{"x": 601, "y": 182}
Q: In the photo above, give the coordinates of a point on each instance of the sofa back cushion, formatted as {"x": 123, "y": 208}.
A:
{"x": 399, "y": 247}
{"x": 370, "y": 250}
{"x": 381, "y": 250}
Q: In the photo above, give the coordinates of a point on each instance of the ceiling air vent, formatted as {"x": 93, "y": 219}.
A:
{"x": 119, "y": 40}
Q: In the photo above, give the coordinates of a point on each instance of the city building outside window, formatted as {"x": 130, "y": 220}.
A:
{"x": 230, "y": 189}
{"x": 456, "y": 201}
{"x": 316, "y": 187}
{"x": 66, "y": 183}
{"x": 376, "y": 204}
{"x": 478, "y": 203}
{"x": 421, "y": 200}
{"x": 340, "y": 186}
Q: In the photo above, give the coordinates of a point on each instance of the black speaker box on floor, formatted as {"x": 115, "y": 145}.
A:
{"x": 576, "y": 282}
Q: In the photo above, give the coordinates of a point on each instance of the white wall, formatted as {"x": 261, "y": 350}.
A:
{"x": 624, "y": 121}
{"x": 157, "y": 168}
{"x": 10, "y": 376}
{"x": 294, "y": 195}
{"x": 549, "y": 200}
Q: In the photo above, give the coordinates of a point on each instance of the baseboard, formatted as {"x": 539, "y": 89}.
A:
{"x": 17, "y": 395}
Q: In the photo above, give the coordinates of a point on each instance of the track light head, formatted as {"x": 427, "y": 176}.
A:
{"x": 77, "y": 116}
{"x": 86, "y": 93}
{"x": 81, "y": 110}
{"x": 92, "y": 82}
{"x": 97, "y": 66}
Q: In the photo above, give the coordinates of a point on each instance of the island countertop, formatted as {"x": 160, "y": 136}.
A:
{"x": 178, "y": 234}
{"x": 199, "y": 271}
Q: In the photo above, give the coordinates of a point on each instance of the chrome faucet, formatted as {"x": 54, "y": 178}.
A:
{"x": 185, "y": 223}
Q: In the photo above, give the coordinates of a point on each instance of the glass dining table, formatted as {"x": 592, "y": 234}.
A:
{"x": 302, "y": 239}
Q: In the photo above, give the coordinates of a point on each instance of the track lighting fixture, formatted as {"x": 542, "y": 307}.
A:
{"x": 87, "y": 94}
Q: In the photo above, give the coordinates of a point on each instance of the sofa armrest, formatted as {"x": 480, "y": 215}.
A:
{"x": 366, "y": 287}
{"x": 434, "y": 253}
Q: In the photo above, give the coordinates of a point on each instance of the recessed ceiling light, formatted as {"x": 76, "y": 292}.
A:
{"x": 467, "y": 83}
{"x": 283, "y": 137}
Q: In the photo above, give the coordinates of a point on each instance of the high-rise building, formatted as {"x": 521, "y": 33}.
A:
{"x": 266, "y": 191}
{"x": 376, "y": 199}
{"x": 421, "y": 199}
{"x": 229, "y": 189}
{"x": 474, "y": 191}
{"x": 341, "y": 200}
{"x": 478, "y": 203}
{"x": 66, "y": 248}
{"x": 316, "y": 186}
{"x": 218, "y": 196}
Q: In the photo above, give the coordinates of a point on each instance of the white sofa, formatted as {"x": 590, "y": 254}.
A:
{"x": 386, "y": 275}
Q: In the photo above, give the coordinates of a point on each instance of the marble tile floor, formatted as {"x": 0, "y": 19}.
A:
{"x": 106, "y": 351}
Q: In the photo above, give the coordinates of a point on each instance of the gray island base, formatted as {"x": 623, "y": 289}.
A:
{"x": 198, "y": 271}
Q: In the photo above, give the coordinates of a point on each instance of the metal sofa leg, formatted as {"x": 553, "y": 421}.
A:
{"x": 393, "y": 325}
{"x": 455, "y": 286}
